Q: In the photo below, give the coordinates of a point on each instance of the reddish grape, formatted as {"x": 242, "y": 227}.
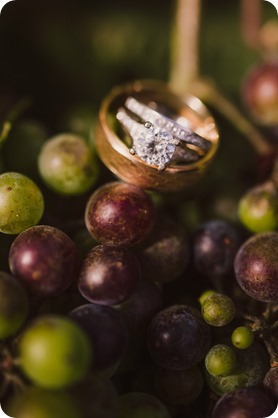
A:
{"x": 214, "y": 246}
{"x": 106, "y": 330}
{"x": 256, "y": 267}
{"x": 244, "y": 403}
{"x": 139, "y": 310}
{"x": 119, "y": 214}
{"x": 260, "y": 92}
{"x": 178, "y": 337}
{"x": 109, "y": 275}
{"x": 164, "y": 255}
{"x": 44, "y": 259}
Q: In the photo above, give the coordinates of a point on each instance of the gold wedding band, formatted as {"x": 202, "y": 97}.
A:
{"x": 115, "y": 143}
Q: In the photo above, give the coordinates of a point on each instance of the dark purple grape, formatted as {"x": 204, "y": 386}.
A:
{"x": 96, "y": 398}
{"x": 109, "y": 275}
{"x": 106, "y": 330}
{"x": 214, "y": 247}
{"x": 260, "y": 92}
{"x": 164, "y": 254}
{"x": 141, "y": 307}
{"x": 44, "y": 259}
{"x": 244, "y": 403}
{"x": 270, "y": 383}
{"x": 178, "y": 387}
{"x": 256, "y": 267}
{"x": 141, "y": 405}
{"x": 178, "y": 337}
{"x": 119, "y": 214}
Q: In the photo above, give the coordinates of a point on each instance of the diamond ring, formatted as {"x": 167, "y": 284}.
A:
{"x": 166, "y": 148}
{"x": 156, "y": 139}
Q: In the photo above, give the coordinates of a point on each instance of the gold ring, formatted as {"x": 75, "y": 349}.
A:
{"x": 186, "y": 115}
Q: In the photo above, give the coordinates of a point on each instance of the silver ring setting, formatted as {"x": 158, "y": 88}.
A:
{"x": 155, "y": 137}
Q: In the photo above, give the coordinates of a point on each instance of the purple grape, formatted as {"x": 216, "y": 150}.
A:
{"x": 106, "y": 330}
{"x": 178, "y": 387}
{"x": 164, "y": 254}
{"x": 178, "y": 338}
{"x": 119, "y": 214}
{"x": 244, "y": 403}
{"x": 44, "y": 259}
{"x": 270, "y": 383}
{"x": 143, "y": 305}
{"x": 109, "y": 275}
{"x": 256, "y": 267}
{"x": 214, "y": 247}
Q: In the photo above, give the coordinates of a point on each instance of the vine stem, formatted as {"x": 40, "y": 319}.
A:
{"x": 185, "y": 45}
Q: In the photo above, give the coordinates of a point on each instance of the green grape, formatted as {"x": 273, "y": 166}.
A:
{"x": 258, "y": 208}
{"x": 242, "y": 337}
{"x": 204, "y": 295}
{"x": 54, "y": 352}
{"x": 67, "y": 165}
{"x": 252, "y": 365}
{"x": 141, "y": 405}
{"x": 13, "y": 305}
{"x": 40, "y": 403}
{"x": 220, "y": 360}
{"x": 21, "y": 203}
{"x": 218, "y": 310}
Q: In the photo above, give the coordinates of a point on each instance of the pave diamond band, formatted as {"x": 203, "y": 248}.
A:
{"x": 156, "y": 138}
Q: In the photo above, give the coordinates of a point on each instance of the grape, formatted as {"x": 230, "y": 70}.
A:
{"x": 256, "y": 267}
{"x": 119, "y": 214}
{"x": 141, "y": 405}
{"x": 164, "y": 255}
{"x": 27, "y": 138}
{"x": 214, "y": 246}
{"x": 44, "y": 259}
{"x": 242, "y": 337}
{"x": 54, "y": 352}
{"x": 21, "y": 203}
{"x": 178, "y": 387}
{"x": 244, "y": 403}
{"x": 260, "y": 92}
{"x": 221, "y": 360}
{"x": 218, "y": 310}
{"x": 109, "y": 275}
{"x": 40, "y": 403}
{"x": 258, "y": 208}
{"x": 205, "y": 294}
{"x": 107, "y": 331}
{"x": 140, "y": 308}
{"x": 13, "y": 306}
{"x": 270, "y": 383}
{"x": 96, "y": 398}
{"x": 67, "y": 165}
{"x": 178, "y": 338}
{"x": 252, "y": 365}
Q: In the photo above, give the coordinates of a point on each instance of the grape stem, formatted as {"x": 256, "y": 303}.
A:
{"x": 250, "y": 20}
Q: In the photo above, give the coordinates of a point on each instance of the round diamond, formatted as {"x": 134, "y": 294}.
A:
{"x": 155, "y": 146}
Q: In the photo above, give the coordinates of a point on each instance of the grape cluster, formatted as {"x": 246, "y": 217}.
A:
{"x": 113, "y": 306}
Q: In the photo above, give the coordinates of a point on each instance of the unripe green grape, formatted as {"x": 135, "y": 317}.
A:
{"x": 40, "y": 403}
{"x": 21, "y": 203}
{"x": 204, "y": 295}
{"x": 258, "y": 208}
{"x": 218, "y": 310}
{"x": 242, "y": 337}
{"x": 54, "y": 352}
{"x": 67, "y": 165}
{"x": 13, "y": 305}
{"x": 220, "y": 360}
